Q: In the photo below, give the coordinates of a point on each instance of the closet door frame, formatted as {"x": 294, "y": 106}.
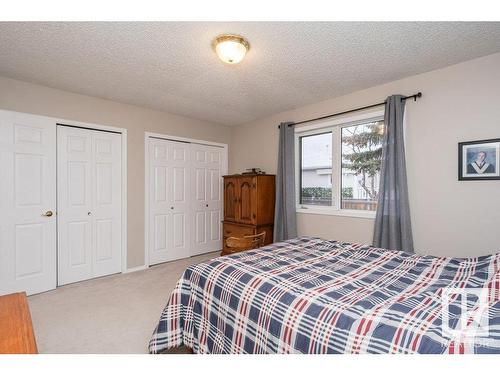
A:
{"x": 123, "y": 132}
{"x": 167, "y": 137}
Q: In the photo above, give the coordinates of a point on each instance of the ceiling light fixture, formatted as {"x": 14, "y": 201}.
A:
{"x": 231, "y": 48}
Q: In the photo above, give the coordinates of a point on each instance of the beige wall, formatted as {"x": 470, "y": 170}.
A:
{"x": 450, "y": 218}
{"x": 30, "y": 98}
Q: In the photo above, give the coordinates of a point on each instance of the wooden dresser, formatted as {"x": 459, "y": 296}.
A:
{"x": 16, "y": 330}
{"x": 248, "y": 206}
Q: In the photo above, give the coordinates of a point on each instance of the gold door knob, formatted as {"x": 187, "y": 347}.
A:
{"x": 48, "y": 214}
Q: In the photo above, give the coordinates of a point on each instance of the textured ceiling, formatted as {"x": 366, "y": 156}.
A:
{"x": 170, "y": 66}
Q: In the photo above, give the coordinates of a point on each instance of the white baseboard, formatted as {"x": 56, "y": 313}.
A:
{"x": 135, "y": 269}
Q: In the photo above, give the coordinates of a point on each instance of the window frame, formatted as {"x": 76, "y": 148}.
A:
{"x": 335, "y": 127}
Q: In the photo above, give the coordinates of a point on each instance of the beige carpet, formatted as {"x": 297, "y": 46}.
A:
{"x": 113, "y": 314}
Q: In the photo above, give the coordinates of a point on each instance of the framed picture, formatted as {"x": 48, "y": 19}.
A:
{"x": 479, "y": 160}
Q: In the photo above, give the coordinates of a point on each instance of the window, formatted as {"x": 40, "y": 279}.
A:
{"x": 338, "y": 166}
{"x": 361, "y": 159}
{"x": 316, "y": 169}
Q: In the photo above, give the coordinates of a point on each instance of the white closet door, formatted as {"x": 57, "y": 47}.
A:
{"x": 89, "y": 204}
{"x": 169, "y": 192}
{"x": 107, "y": 203}
{"x": 74, "y": 152}
{"x": 206, "y": 211}
{"x": 28, "y": 203}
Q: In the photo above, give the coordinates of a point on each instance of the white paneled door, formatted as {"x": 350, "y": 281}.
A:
{"x": 169, "y": 194}
{"x": 89, "y": 203}
{"x": 28, "y": 203}
{"x": 206, "y": 207}
{"x": 185, "y": 199}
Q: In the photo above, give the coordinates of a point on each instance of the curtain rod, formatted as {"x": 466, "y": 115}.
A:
{"x": 414, "y": 97}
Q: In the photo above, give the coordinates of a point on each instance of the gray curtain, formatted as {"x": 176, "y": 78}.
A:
{"x": 392, "y": 223}
{"x": 285, "y": 220}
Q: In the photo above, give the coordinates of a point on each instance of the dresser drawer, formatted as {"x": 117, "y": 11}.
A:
{"x": 235, "y": 230}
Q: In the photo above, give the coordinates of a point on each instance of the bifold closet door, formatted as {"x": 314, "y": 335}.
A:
{"x": 89, "y": 203}
{"x": 206, "y": 207}
{"x": 28, "y": 203}
{"x": 169, "y": 194}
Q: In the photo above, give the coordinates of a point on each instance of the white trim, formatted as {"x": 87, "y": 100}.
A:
{"x": 334, "y": 126}
{"x": 146, "y": 198}
{"x": 182, "y": 139}
{"x": 333, "y": 212}
{"x": 337, "y": 161}
{"x": 135, "y": 269}
{"x": 89, "y": 125}
{"x": 167, "y": 137}
{"x": 124, "y": 201}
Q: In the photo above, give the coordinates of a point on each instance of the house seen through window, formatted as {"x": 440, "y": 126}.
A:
{"x": 316, "y": 169}
{"x": 340, "y": 166}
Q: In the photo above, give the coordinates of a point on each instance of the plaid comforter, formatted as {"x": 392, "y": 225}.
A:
{"x": 309, "y": 295}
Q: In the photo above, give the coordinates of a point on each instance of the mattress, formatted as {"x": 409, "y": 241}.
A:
{"x": 309, "y": 295}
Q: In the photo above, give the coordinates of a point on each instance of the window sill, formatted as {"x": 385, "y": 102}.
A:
{"x": 331, "y": 212}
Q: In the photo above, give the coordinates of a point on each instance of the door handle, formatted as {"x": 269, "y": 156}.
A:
{"x": 48, "y": 214}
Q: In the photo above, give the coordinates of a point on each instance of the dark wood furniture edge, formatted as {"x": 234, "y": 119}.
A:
{"x": 183, "y": 349}
{"x": 248, "y": 175}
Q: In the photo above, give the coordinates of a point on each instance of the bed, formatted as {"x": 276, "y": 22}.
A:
{"x": 309, "y": 295}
